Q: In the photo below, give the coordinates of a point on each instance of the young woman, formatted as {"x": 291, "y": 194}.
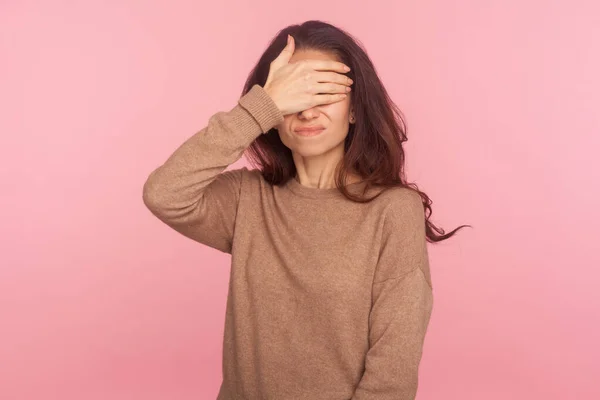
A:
{"x": 330, "y": 291}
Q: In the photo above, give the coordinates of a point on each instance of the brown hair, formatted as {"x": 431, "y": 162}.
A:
{"x": 373, "y": 146}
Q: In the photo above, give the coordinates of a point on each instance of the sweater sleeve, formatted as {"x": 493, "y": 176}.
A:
{"x": 190, "y": 192}
{"x": 401, "y": 306}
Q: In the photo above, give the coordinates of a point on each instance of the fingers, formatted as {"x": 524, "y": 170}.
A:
{"x": 327, "y": 65}
{"x": 333, "y": 77}
{"x": 332, "y": 82}
{"x": 331, "y": 88}
{"x": 329, "y": 98}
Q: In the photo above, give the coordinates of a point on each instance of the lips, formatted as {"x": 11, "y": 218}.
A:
{"x": 309, "y": 128}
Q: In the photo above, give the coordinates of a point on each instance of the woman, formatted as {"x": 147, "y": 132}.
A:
{"x": 330, "y": 292}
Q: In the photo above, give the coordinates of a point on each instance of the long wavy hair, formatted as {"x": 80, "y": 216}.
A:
{"x": 373, "y": 146}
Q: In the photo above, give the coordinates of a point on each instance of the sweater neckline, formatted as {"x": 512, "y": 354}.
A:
{"x": 317, "y": 193}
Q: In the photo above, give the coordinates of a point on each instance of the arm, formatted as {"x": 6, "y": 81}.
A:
{"x": 401, "y": 306}
{"x": 190, "y": 192}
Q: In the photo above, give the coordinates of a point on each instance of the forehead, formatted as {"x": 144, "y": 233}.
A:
{"x": 306, "y": 54}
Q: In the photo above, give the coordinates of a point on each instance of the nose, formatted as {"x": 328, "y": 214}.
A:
{"x": 309, "y": 113}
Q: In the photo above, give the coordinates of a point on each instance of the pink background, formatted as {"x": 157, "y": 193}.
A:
{"x": 100, "y": 300}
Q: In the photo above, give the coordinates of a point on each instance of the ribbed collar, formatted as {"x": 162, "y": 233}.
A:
{"x": 317, "y": 193}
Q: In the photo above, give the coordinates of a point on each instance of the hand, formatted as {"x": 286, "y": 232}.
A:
{"x": 306, "y": 83}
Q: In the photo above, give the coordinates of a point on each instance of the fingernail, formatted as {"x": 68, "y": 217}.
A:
{"x": 347, "y": 68}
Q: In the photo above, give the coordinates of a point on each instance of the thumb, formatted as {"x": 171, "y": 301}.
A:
{"x": 287, "y": 52}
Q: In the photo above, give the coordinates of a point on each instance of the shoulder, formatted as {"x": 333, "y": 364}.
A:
{"x": 253, "y": 182}
{"x": 403, "y": 242}
{"x": 253, "y": 176}
{"x": 243, "y": 174}
{"x": 403, "y": 206}
{"x": 404, "y": 218}
{"x": 238, "y": 179}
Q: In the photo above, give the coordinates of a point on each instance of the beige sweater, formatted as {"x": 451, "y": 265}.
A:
{"x": 328, "y": 299}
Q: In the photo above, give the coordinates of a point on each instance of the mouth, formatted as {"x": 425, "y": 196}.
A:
{"x": 309, "y": 131}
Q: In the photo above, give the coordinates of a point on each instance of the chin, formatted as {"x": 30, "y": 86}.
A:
{"x": 309, "y": 151}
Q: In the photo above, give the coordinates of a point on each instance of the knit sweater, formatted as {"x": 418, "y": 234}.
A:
{"x": 327, "y": 298}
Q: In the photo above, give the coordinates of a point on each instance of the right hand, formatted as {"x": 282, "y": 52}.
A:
{"x": 305, "y": 84}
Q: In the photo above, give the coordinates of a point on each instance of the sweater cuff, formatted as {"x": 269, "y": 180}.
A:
{"x": 262, "y": 107}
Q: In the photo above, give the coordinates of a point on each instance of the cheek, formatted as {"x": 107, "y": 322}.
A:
{"x": 338, "y": 112}
{"x": 286, "y": 124}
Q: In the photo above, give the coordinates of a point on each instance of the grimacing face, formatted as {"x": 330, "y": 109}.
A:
{"x": 335, "y": 117}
